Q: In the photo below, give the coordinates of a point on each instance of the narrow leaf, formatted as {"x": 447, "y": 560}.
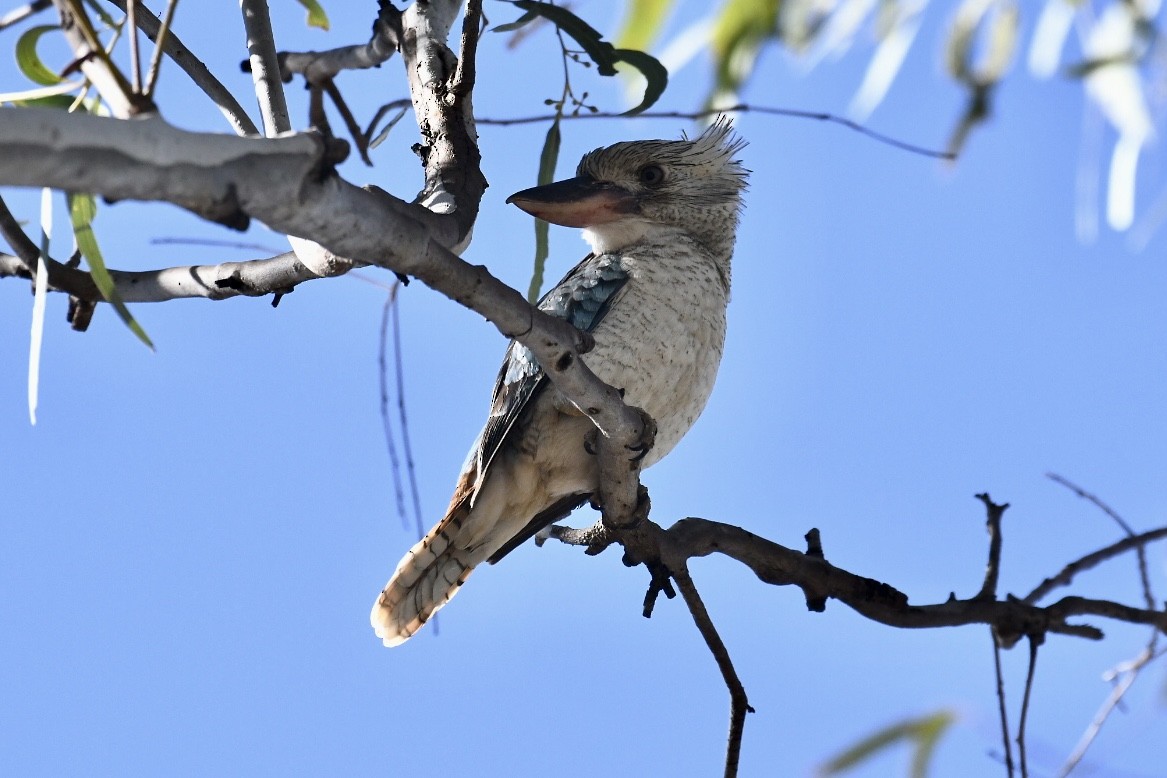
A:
{"x": 598, "y": 50}
{"x": 655, "y": 74}
{"x": 924, "y": 733}
{"x": 82, "y": 210}
{"x": 29, "y": 62}
{"x": 738, "y": 34}
{"x": 55, "y": 96}
{"x": 316, "y": 15}
{"x": 522, "y": 21}
{"x": 643, "y": 21}
{"x": 39, "y": 300}
{"x": 547, "y": 160}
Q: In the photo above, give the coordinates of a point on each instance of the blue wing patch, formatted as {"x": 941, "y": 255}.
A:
{"x": 583, "y": 297}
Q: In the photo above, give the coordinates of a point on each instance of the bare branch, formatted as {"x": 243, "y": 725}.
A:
{"x": 454, "y": 183}
{"x": 775, "y": 564}
{"x": 135, "y": 55}
{"x": 993, "y": 569}
{"x": 739, "y": 704}
{"x": 265, "y": 69}
{"x": 1144, "y": 576}
{"x": 1067, "y": 573}
{"x": 91, "y": 58}
{"x": 17, "y": 15}
{"x": 1001, "y": 708}
{"x": 1126, "y": 675}
{"x": 1034, "y": 642}
{"x": 320, "y": 66}
{"x": 159, "y": 47}
{"x": 198, "y": 73}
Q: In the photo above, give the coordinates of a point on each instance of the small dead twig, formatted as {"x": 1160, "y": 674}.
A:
{"x": 1001, "y": 707}
{"x": 1034, "y": 642}
{"x": 739, "y": 704}
{"x": 993, "y": 570}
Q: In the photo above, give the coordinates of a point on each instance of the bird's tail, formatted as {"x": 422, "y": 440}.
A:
{"x": 427, "y": 578}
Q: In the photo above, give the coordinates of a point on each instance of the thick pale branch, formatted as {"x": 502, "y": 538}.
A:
{"x": 320, "y": 66}
{"x": 288, "y": 184}
{"x": 445, "y": 116}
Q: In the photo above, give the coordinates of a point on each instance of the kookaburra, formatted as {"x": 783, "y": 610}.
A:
{"x": 661, "y": 218}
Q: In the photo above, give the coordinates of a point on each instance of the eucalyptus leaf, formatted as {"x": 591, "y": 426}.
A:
{"x": 29, "y": 61}
{"x": 599, "y": 51}
{"x": 643, "y": 21}
{"x": 316, "y": 14}
{"x": 548, "y": 158}
{"x": 82, "y": 211}
{"x": 922, "y": 733}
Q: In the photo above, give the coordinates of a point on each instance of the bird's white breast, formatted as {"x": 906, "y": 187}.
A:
{"x": 662, "y": 340}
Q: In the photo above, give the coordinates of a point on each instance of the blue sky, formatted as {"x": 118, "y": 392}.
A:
{"x": 190, "y": 540}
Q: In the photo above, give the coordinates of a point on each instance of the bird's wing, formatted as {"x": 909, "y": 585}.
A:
{"x": 583, "y": 297}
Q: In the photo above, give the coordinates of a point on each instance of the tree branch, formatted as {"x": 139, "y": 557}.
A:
{"x": 265, "y": 69}
{"x": 93, "y": 61}
{"x": 1012, "y": 618}
{"x": 1067, "y": 573}
{"x": 198, "y": 73}
{"x": 739, "y": 704}
{"x": 17, "y": 15}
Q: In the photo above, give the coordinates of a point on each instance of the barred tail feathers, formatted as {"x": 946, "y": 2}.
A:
{"x": 426, "y": 579}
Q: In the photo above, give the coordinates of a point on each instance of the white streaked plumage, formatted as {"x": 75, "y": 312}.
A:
{"x": 661, "y": 217}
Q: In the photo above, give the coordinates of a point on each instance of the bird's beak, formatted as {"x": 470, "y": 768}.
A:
{"x": 576, "y": 202}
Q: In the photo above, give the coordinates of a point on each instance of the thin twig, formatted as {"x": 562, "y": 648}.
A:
{"x": 994, "y": 512}
{"x": 159, "y": 44}
{"x": 739, "y": 108}
{"x": 26, "y": 251}
{"x": 1005, "y": 740}
{"x": 1034, "y": 642}
{"x": 403, "y": 420}
{"x": 135, "y": 55}
{"x": 1093, "y": 559}
{"x": 197, "y": 72}
{"x": 738, "y": 702}
{"x": 17, "y": 15}
{"x": 1144, "y": 576}
{"x": 386, "y": 419}
{"x": 1126, "y": 674}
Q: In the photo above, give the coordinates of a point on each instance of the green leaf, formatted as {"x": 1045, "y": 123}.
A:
{"x": 924, "y": 733}
{"x": 522, "y": 21}
{"x": 643, "y": 21}
{"x": 547, "y": 160}
{"x": 29, "y": 62}
{"x": 82, "y": 210}
{"x": 600, "y": 51}
{"x": 316, "y": 15}
{"x": 655, "y": 75}
{"x": 739, "y": 32}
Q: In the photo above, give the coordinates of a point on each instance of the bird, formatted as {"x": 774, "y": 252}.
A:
{"x": 661, "y": 218}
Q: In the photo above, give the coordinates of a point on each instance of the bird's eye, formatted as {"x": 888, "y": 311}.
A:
{"x": 652, "y": 175}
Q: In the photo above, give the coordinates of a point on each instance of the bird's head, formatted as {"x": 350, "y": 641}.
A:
{"x": 621, "y": 192}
